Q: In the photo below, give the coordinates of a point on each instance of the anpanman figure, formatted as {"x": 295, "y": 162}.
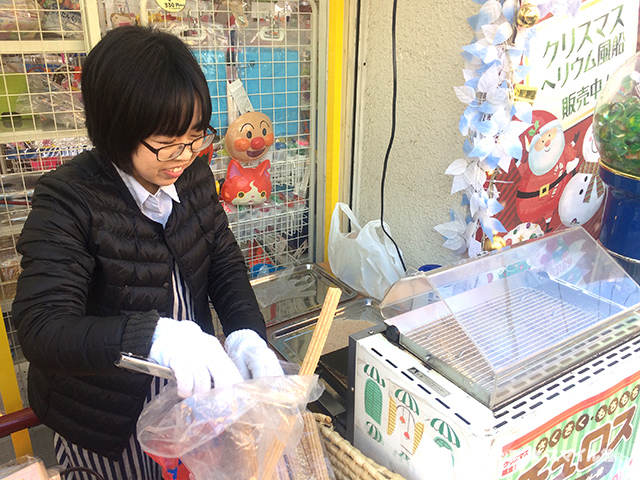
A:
{"x": 249, "y": 137}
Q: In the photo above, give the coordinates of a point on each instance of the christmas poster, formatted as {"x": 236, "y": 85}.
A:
{"x": 555, "y": 184}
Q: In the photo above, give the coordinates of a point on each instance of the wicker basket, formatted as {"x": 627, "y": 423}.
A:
{"x": 347, "y": 461}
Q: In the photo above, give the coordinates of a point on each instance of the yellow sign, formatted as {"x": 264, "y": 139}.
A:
{"x": 172, "y": 5}
{"x": 524, "y": 93}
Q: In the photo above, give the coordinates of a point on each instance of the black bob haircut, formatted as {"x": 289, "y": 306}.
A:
{"x": 138, "y": 82}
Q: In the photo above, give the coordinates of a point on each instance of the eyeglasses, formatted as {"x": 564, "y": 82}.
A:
{"x": 170, "y": 152}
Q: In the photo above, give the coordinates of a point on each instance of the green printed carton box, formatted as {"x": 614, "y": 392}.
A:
{"x": 582, "y": 426}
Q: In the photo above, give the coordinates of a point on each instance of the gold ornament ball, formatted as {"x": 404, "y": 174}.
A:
{"x": 497, "y": 244}
{"x": 528, "y": 15}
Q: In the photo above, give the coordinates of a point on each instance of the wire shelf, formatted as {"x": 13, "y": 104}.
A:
{"x": 43, "y": 47}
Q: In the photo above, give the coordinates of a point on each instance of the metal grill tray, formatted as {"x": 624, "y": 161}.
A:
{"x": 292, "y": 341}
{"x": 499, "y": 347}
{"x": 295, "y": 291}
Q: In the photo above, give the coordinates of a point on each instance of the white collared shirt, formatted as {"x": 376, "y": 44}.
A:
{"x": 157, "y": 207}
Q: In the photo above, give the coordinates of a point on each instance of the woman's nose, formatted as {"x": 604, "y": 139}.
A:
{"x": 257, "y": 143}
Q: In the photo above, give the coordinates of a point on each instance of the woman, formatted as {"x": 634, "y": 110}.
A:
{"x": 123, "y": 250}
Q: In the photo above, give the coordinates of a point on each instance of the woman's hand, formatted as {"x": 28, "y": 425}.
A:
{"x": 251, "y": 355}
{"x": 196, "y": 358}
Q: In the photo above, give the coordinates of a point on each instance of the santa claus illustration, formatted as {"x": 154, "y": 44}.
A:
{"x": 585, "y": 192}
{"x": 546, "y": 171}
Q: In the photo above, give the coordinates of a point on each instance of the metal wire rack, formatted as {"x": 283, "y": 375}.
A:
{"x": 42, "y": 48}
{"x": 40, "y": 95}
{"x": 524, "y": 328}
{"x": 28, "y": 20}
{"x": 273, "y": 53}
{"x": 271, "y": 48}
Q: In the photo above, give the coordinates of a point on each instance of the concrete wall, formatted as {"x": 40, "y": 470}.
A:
{"x": 430, "y": 35}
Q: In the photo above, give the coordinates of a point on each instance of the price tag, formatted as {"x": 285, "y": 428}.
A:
{"x": 239, "y": 94}
{"x": 172, "y": 5}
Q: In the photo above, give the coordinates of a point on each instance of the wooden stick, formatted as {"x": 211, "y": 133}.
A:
{"x": 309, "y": 365}
{"x": 313, "y": 447}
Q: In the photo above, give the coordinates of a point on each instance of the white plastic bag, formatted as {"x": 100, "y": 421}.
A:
{"x": 365, "y": 258}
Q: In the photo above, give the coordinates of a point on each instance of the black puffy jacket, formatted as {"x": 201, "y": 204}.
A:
{"x": 96, "y": 275}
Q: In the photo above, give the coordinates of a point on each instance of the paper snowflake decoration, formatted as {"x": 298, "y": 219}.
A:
{"x": 492, "y": 123}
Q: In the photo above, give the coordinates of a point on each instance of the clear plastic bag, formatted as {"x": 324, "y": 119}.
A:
{"x": 284, "y": 287}
{"x": 62, "y": 17}
{"x": 23, "y": 467}
{"x": 53, "y": 101}
{"x": 228, "y": 433}
{"x": 18, "y": 16}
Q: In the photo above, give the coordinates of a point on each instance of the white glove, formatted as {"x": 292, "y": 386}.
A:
{"x": 251, "y": 355}
{"x": 194, "y": 357}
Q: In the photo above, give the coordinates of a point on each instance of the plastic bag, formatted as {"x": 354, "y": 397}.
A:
{"x": 18, "y": 16}
{"x": 226, "y": 433}
{"x": 48, "y": 97}
{"x": 284, "y": 287}
{"x": 23, "y": 467}
{"x": 365, "y": 259}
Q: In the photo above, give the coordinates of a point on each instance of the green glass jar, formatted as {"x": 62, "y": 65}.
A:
{"x": 616, "y": 121}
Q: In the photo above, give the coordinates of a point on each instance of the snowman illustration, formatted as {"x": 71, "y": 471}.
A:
{"x": 585, "y": 192}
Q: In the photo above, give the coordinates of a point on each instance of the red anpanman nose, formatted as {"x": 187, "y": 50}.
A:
{"x": 257, "y": 143}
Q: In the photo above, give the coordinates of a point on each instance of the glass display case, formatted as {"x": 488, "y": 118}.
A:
{"x": 503, "y": 324}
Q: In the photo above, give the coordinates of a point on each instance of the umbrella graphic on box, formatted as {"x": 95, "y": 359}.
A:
{"x": 373, "y": 432}
{"x": 446, "y": 431}
{"x": 403, "y": 411}
{"x": 373, "y": 393}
